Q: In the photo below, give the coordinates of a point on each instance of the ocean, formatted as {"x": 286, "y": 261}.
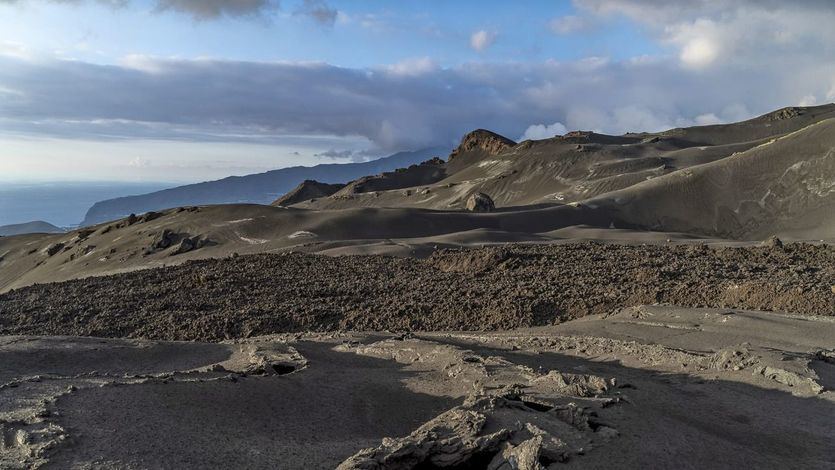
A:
{"x": 62, "y": 204}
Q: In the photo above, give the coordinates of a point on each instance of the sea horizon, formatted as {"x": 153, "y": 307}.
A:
{"x": 63, "y": 203}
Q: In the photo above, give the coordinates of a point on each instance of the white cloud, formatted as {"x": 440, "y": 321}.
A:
{"x": 142, "y": 63}
{"x": 139, "y": 162}
{"x": 736, "y": 112}
{"x": 413, "y": 67}
{"x": 411, "y": 104}
{"x": 482, "y": 39}
{"x": 708, "y": 119}
{"x": 808, "y": 100}
{"x": 542, "y": 131}
{"x": 699, "y": 52}
{"x": 15, "y": 50}
{"x": 208, "y": 9}
{"x": 591, "y": 63}
{"x": 568, "y": 24}
{"x": 708, "y": 33}
{"x": 639, "y": 118}
{"x": 9, "y": 92}
{"x": 319, "y": 11}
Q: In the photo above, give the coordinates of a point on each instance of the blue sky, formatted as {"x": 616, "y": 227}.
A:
{"x": 363, "y": 33}
{"x": 184, "y": 90}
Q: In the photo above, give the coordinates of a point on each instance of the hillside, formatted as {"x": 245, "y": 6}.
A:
{"x": 37, "y": 226}
{"x": 261, "y": 188}
{"x": 306, "y": 190}
{"x": 570, "y": 168}
{"x": 785, "y": 186}
{"x": 636, "y": 188}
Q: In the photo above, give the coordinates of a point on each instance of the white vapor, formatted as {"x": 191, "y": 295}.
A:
{"x": 482, "y": 39}
{"x": 541, "y": 131}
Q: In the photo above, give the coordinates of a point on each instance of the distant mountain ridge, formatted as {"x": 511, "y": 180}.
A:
{"x": 37, "y": 226}
{"x": 261, "y": 188}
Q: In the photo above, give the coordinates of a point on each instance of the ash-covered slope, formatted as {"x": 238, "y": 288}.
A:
{"x": 779, "y": 122}
{"x": 307, "y": 190}
{"x": 783, "y": 186}
{"x": 427, "y": 172}
{"x": 570, "y": 168}
{"x": 261, "y": 188}
{"x": 769, "y": 175}
{"x": 786, "y": 186}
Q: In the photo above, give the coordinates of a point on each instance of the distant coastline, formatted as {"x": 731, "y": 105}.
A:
{"x": 62, "y": 203}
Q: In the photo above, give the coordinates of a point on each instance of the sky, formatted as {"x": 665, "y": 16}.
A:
{"x": 189, "y": 90}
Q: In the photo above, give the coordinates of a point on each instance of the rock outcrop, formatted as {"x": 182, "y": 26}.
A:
{"x": 53, "y": 249}
{"x": 514, "y": 419}
{"x": 307, "y": 190}
{"x": 163, "y": 240}
{"x": 773, "y": 242}
{"x": 181, "y": 242}
{"x": 482, "y": 140}
{"x": 480, "y": 202}
{"x": 784, "y": 113}
{"x": 428, "y": 172}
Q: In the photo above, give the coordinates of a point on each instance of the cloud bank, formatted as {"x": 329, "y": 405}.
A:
{"x": 719, "y": 32}
{"x": 727, "y": 61}
{"x": 210, "y": 9}
{"x": 403, "y": 106}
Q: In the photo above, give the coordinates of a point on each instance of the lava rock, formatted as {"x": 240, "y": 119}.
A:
{"x": 163, "y": 240}
{"x": 480, "y": 202}
{"x": 53, "y": 249}
{"x": 773, "y": 242}
{"x": 149, "y": 216}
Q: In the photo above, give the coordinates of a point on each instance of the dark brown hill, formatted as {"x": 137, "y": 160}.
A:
{"x": 307, "y": 190}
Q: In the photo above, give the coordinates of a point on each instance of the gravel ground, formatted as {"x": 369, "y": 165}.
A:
{"x": 472, "y": 289}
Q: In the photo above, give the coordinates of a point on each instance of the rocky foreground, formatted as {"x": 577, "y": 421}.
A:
{"x": 646, "y": 387}
{"x": 475, "y": 289}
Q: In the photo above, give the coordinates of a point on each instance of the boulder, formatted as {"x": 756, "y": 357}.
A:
{"x": 149, "y": 216}
{"x": 163, "y": 240}
{"x": 190, "y": 243}
{"x": 83, "y": 234}
{"x": 480, "y": 202}
{"x": 187, "y": 244}
{"x": 53, "y": 249}
{"x": 773, "y": 242}
{"x": 524, "y": 456}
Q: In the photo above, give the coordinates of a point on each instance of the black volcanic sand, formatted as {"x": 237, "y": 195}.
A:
{"x": 471, "y": 289}
{"x": 314, "y": 419}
